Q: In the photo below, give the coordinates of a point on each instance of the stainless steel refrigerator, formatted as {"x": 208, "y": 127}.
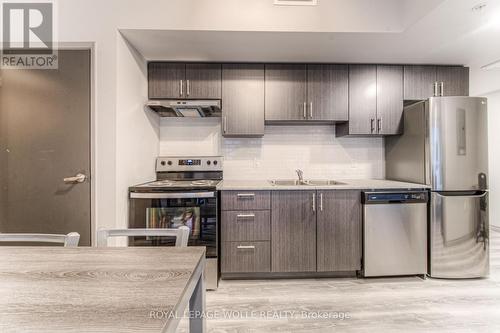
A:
{"x": 445, "y": 145}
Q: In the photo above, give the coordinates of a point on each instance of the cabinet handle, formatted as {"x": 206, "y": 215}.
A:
{"x": 224, "y": 125}
{"x": 245, "y": 247}
{"x": 314, "y": 202}
{"x": 379, "y": 125}
{"x": 304, "y": 108}
{"x": 180, "y": 85}
{"x": 435, "y": 89}
{"x": 321, "y": 201}
{"x": 245, "y": 216}
{"x": 311, "y": 109}
{"x": 441, "y": 86}
{"x": 187, "y": 88}
{"x": 372, "y": 125}
{"x": 245, "y": 195}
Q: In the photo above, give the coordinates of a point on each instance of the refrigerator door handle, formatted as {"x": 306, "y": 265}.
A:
{"x": 478, "y": 194}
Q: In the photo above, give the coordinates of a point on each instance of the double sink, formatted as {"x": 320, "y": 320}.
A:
{"x": 296, "y": 182}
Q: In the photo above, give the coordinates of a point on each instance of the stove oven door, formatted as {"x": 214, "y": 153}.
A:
{"x": 196, "y": 210}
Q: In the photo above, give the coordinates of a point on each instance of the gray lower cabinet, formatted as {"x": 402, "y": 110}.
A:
{"x": 389, "y": 100}
{"x": 166, "y": 80}
{"x": 339, "y": 231}
{"x": 243, "y": 100}
{"x": 203, "y": 81}
{"x": 293, "y": 231}
{"x": 422, "y": 82}
{"x": 245, "y": 257}
{"x": 327, "y": 92}
{"x": 285, "y": 91}
{"x": 246, "y": 225}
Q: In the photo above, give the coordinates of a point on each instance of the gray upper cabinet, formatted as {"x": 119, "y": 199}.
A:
{"x": 293, "y": 231}
{"x": 339, "y": 231}
{"x": 327, "y": 92}
{"x": 389, "y": 100}
{"x": 422, "y": 82}
{"x": 362, "y": 100}
{"x": 184, "y": 81}
{"x": 203, "y": 81}
{"x": 165, "y": 80}
{"x": 453, "y": 81}
{"x": 243, "y": 99}
{"x": 285, "y": 91}
{"x": 419, "y": 82}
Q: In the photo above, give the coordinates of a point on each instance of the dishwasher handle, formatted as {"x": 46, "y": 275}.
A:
{"x": 378, "y": 198}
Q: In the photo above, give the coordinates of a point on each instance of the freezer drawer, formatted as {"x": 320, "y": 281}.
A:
{"x": 459, "y": 235}
{"x": 395, "y": 237}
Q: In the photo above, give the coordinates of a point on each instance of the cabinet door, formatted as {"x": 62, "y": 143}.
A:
{"x": 339, "y": 231}
{"x": 243, "y": 99}
{"x": 419, "y": 82}
{"x": 362, "y": 99}
{"x": 455, "y": 80}
{"x": 293, "y": 231}
{"x": 203, "y": 81}
{"x": 166, "y": 80}
{"x": 389, "y": 100}
{"x": 285, "y": 92}
{"x": 327, "y": 92}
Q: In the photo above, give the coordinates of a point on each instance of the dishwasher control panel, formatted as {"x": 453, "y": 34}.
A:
{"x": 395, "y": 197}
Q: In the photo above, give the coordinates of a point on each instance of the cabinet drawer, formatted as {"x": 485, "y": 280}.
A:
{"x": 245, "y": 200}
{"x": 246, "y": 257}
{"x": 246, "y": 225}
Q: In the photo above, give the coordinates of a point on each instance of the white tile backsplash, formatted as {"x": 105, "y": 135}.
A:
{"x": 282, "y": 150}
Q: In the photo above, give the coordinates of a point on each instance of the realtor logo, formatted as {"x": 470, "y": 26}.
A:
{"x": 28, "y": 35}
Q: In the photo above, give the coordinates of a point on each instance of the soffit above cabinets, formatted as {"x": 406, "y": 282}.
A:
{"x": 446, "y": 33}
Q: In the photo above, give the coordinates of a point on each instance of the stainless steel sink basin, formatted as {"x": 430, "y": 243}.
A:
{"x": 288, "y": 182}
{"x": 295, "y": 182}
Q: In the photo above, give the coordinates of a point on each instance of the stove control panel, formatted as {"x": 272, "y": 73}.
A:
{"x": 180, "y": 163}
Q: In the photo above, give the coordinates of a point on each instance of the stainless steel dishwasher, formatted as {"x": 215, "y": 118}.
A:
{"x": 395, "y": 233}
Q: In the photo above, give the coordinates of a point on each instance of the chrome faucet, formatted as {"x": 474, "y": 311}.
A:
{"x": 300, "y": 174}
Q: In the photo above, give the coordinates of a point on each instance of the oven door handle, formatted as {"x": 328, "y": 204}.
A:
{"x": 172, "y": 195}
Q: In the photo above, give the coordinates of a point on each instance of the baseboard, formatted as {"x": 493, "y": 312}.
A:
{"x": 495, "y": 228}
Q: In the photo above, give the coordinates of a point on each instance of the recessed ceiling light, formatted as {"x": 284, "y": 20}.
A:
{"x": 493, "y": 65}
{"x": 296, "y": 2}
{"x": 479, "y": 7}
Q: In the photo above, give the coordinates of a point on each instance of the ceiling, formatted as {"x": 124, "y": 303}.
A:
{"x": 423, "y": 31}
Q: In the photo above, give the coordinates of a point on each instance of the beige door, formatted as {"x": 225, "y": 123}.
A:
{"x": 44, "y": 138}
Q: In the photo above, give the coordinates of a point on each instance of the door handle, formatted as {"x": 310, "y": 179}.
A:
{"x": 435, "y": 89}
{"x": 187, "y": 88}
{"x": 321, "y": 201}
{"x": 304, "y": 108}
{"x": 379, "y": 125}
{"x": 78, "y": 178}
{"x": 372, "y": 125}
{"x": 311, "y": 109}
{"x": 314, "y": 202}
{"x": 441, "y": 88}
{"x": 224, "y": 125}
{"x": 180, "y": 85}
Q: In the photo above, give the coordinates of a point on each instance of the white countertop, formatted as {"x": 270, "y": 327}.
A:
{"x": 349, "y": 184}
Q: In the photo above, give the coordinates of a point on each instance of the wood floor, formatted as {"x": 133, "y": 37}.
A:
{"x": 373, "y": 305}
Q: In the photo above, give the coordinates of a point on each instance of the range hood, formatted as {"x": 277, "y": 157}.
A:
{"x": 186, "y": 108}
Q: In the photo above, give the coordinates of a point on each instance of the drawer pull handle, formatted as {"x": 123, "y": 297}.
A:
{"x": 246, "y": 247}
{"x": 245, "y": 216}
{"x": 245, "y": 195}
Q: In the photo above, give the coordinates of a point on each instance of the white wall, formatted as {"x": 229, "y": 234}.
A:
{"x": 282, "y": 150}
